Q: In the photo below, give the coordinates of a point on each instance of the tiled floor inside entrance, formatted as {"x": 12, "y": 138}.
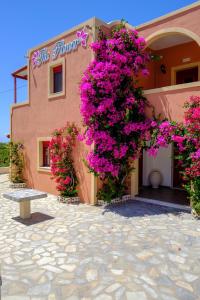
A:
{"x": 164, "y": 194}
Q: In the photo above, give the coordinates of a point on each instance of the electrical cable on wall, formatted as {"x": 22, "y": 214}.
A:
{"x": 11, "y": 90}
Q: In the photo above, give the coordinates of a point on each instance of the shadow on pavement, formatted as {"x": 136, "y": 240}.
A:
{"x": 36, "y": 217}
{"x": 134, "y": 208}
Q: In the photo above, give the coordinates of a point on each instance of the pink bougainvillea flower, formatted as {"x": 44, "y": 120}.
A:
{"x": 67, "y": 180}
{"x": 61, "y": 188}
{"x": 82, "y": 35}
{"x": 196, "y": 155}
{"x": 61, "y": 147}
{"x": 177, "y": 138}
{"x": 152, "y": 151}
{"x": 145, "y": 72}
{"x": 80, "y": 137}
{"x": 35, "y": 58}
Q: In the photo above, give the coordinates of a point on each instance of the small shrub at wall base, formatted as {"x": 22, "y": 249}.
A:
{"x": 16, "y": 162}
{"x": 4, "y": 155}
{"x": 111, "y": 190}
{"x": 62, "y": 168}
{"x": 193, "y": 190}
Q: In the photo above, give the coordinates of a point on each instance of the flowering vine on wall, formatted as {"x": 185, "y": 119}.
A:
{"x": 186, "y": 137}
{"x": 62, "y": 169}
{"x": 113, "y": 111}
{"x": 113, "y": 108}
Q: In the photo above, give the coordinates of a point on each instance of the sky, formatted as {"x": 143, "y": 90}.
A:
{"x": 26, "y": 24}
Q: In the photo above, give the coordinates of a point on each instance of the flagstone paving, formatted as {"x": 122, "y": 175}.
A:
{"x": 133, "y": 251}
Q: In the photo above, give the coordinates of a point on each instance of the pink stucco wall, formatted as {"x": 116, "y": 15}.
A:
{"x": 188, "y": 19}
{"x": 172, "y": 57}
{"x": 43, "y": 115}
{"x": 170, "y": 103}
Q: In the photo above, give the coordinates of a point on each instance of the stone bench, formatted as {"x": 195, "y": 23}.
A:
{"x": 24, "y": 197}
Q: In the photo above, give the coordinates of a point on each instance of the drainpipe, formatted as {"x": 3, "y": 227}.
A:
{"x": 15, "y": 90}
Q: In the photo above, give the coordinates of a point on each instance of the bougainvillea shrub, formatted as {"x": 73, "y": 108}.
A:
{"x": 186, "y": 136}
{"x": 62, "y": 169}
{"x": 189, "y": 148}
{"x": 116, "y": 125}
{"x": 113, "y": 108}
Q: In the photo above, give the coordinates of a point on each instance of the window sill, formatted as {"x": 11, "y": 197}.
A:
{"x": 172, "y": 88}
{"x": 56, "y": 95}
{"x": 25, "y": 103}
{"x": 44, "y": 170}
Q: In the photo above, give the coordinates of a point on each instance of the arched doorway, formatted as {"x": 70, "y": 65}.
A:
{"x": 176, "y": 58}
{"x": 174, "y": 75}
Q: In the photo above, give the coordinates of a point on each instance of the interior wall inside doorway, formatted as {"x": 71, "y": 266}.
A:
{"x": 162, "y": 162}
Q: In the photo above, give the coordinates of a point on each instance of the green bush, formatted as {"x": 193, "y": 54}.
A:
{"x": 193, "y": 189}
{"x": 4, "y": 155}
{"x": 16, "y": 162}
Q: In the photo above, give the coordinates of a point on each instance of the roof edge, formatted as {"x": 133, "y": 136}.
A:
{"x": 169, "y": 15}
{"x": 61, "y": 35}
{"x": 95, "y": 20}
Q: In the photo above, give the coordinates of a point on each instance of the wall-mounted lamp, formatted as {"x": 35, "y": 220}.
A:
{"x": 163, "y": 69}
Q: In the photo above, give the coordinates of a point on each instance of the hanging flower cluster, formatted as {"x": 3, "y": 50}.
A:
{"x": 113, "y": 107}
{"x": 186, "y": 137}
{"x": 61, "y": 146}
{"x": 192, "y": 134}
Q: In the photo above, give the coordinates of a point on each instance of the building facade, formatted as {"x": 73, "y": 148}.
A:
{"x": 54, "y": 70}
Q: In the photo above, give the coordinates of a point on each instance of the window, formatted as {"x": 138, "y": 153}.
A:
{"x": 46, "y": 154}
{"x": 187, "y": 75}
{"x": 56, "y": 81}
{"x": 43, "y": 154}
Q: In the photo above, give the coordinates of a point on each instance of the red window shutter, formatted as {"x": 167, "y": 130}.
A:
{"x": 46, "y": 144}
{"x": 57, "y": 79}
{"x": 46, "y": 159}
{"x": 57, "y": 69}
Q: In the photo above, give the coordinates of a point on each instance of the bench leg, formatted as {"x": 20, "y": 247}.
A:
{"x": 25, "y": 209}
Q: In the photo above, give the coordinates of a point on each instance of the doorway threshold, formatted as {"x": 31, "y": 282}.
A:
{"x": 163, "y": 203}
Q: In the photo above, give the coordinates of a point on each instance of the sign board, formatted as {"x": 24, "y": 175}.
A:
{"x": 60, "y": 48}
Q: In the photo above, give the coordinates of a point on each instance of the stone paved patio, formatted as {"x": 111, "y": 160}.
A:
{"x": 134, "y": 251}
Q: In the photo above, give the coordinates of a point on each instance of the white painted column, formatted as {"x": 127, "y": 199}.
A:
{"x": 93, "y": 199}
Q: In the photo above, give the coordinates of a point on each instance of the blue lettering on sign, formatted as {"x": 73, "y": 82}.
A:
{"x": 40, "y": 57}
{"x": 61, "y": 48}
{"x": 44, "y": 55}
